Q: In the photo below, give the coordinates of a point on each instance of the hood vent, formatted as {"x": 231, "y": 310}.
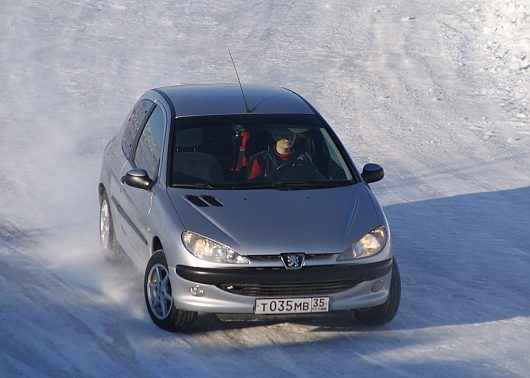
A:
{"x": 196, "y": 201}
{"x": 203, "y": 201}
{"x": 212, "y": 201}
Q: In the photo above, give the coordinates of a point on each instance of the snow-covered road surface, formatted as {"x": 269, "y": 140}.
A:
{"x": 435, "y": 91}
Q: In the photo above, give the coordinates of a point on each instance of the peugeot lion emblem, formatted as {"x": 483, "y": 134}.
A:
{"x": 293, "y": 260}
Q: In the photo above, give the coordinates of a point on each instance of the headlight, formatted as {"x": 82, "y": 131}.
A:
{"x": 369, "y": 245}
{"x": 209, "y": 250}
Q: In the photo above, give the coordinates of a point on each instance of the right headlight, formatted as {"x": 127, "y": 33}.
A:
{"x": 210, "y": 250}
{"x": 369, "y": 245}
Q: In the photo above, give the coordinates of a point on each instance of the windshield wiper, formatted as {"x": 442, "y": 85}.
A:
{"x": 252, "y": 185}
{"x": 291, "y": 185}
{"x": 304, "y": 185}
{"x": 198, "y": 185}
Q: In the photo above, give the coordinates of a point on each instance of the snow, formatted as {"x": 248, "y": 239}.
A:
{"x": 435, "y": 91}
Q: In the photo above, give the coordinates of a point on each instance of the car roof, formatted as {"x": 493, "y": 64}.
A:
{"x": 222, "y": 99}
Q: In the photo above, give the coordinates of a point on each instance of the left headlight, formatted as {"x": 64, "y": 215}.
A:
{"x": 369, "y": 245}
{"x": 210, "y": 250}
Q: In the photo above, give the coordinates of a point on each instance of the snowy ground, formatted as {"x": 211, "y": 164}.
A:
{"x": 435, "y": 91}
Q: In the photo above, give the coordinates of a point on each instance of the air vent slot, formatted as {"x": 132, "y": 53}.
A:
{"x": 212, "y": 201}
{"x": 196, "y": 200}
{"x": 291, "y": 289}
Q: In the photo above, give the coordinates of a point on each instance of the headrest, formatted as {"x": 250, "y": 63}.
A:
{"x": 188, "y": 137}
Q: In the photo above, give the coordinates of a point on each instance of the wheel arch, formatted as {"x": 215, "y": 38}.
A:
{"x": 156, "y": 245}
{"x": 101, "y": 189}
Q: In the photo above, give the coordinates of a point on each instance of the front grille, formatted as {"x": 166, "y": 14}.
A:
{"x": 264, "y": 257}
{"x": 275, "y": 290}
{"x": 308, "y": 256}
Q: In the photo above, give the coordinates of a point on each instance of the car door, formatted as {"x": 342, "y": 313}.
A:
{"x": 136, "y": 203}
{"x": 130, "y": 135}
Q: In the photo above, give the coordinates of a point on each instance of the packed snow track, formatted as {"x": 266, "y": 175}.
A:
{"x": 434, "y": 91}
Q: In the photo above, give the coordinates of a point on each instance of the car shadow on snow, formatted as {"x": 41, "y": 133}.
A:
{"x": 463, "y": 259}
{"x": 214, "y": 322}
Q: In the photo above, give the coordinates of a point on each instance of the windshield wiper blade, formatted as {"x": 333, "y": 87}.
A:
{"x": 305, "y": 185}
{"x": 261, "y": 185}
{"x": 290, "y": 185}
{"x": 198, "y": 185}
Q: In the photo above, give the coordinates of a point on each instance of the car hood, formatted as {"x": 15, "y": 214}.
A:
{"x": 268, "y": 221}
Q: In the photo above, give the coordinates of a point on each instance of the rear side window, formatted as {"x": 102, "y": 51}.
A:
{"x": 149, "y": 149}
{"x": 133, "y": 125}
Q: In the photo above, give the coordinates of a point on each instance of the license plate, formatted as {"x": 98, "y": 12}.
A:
{"x": 292, "y": 306}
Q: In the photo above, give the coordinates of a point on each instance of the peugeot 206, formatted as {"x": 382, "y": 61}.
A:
{"x": 242, "y": 200}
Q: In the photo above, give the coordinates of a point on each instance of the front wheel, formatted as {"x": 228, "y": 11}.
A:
{"x": 159, "y": 296}
{"x": 384, "y": 313}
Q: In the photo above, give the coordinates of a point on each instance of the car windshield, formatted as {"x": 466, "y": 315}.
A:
{"x": 251, "y": 151}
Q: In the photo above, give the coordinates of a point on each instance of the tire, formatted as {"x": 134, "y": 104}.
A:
{"x": 384, "y": 313}
{"x": 159, "y": 297}
{"x": 112, "y": 251}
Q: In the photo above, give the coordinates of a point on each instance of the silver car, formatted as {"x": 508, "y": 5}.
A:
{"x": 242, "y": 200}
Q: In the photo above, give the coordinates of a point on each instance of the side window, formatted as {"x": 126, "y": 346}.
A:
{"x": 149, "y": 149}
{"x": 133, "y": 125}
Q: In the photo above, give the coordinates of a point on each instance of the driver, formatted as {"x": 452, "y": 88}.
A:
{"x": 283, "y": 152}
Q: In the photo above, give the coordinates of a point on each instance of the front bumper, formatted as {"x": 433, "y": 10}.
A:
{"x": 349, "y": 286}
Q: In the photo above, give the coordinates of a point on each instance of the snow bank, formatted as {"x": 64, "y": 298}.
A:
{"x": 507, "y": 28}
{"x": 503, "y": 52}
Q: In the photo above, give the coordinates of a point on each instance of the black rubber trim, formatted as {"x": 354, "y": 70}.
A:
{"x": 129, "y": 221}
{"x": 313, "y": 274}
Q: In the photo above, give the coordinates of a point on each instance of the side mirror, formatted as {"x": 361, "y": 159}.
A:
{"x": 372, "y": 173}
{"x": 138, "y": 178}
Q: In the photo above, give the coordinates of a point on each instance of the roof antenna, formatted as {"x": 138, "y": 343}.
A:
{"x": 240, "y": 86}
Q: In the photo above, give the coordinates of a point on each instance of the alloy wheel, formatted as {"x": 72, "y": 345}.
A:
{"x": 104, "y": 224}
{"x": 159, "y": 291}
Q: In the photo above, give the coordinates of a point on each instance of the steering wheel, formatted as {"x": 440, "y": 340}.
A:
{"x": 298, "y": 170}
{"x": 292, "y": 164}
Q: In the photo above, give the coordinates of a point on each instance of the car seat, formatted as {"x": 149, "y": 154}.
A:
{"x": 191, "y": 166}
